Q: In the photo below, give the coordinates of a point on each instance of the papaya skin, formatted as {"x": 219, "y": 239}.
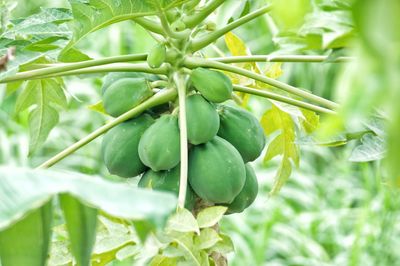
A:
{"x": 242, "y": 130}
{"x": 167, "y": 181}
{"x": 248, "y": 194}
{"x": 202, "y": 119}
{"x": 216, "y": 171}
{"x": 120, "y": 147}
{"x": 157, "y": 56}
{"x": 124, "y": 94}
{"x": 215, "y": 86}
{"x": 159, "y": 147}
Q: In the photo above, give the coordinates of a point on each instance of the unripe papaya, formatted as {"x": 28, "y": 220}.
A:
{"x": 157, "y": 56}
{"x": 213, "y": 85}
{"x": 202, "y": 119}
{"x": 248, "y": 194}
{"x": 159, "y": 147}
{"x": 167, "y": 181}
{"x": 124, "y": 94}
{"x": 115, "y": 76}
{"x": 178, "y": 25}
{"x": 216, "y": 171}
{"x": 120, "y": 147}
{"x": 243, "y": 131}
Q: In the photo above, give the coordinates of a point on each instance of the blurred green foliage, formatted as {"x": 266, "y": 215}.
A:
{"x": 331, "y": 212}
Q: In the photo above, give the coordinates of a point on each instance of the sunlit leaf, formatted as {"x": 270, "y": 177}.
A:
{"x": 207, "y": 239}
{"x": 372, "y": 148}
{"x": 210, "y": 216}
{"x": 183, "y": 221}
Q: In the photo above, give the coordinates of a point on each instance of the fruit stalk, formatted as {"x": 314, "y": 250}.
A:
{"x": 157, "y": 99}
{"x": 180, "y": 82}
{"x": 283, "y": 58}
{"x": 200, "y": 62}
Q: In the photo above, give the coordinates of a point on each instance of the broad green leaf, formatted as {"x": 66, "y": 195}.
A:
{"x": 27, "y": 242}
{"x": 24, "y": 57}
{"x": 210, "y": 216}
{"x": 372, "y": 148}
{"x": 183, "y": 221}
{"x": 207, "y": 239}
{"x": 92, "y": 15}
{"x": 122, "y": 200}
{"x": 44, "y": 95}
{"x": 283, "y": 144}
{"x": 81, "y": 222}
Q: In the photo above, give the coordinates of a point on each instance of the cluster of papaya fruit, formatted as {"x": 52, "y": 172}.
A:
{"x": 223, "y": 139}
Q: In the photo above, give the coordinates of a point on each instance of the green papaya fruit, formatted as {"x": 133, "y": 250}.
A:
{"x": 27, "y": 241}
{"x": 167, "y": 181}
{"x": 115, "y": 76}
{"x": 157, "y": 56}
{"x": 202, "y": 119}
{"x": 159, "y": 147}
{"x": 216, "y": 171}
{"x": 120, "y": 147}
{"x": 213, "y": 85}
{"x": 242, "y": 130}
{"x": 248, "y": 194}
{"x": 124, "y": 94}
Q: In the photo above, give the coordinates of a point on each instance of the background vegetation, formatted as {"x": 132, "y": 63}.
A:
{"x": 331, "y": 211}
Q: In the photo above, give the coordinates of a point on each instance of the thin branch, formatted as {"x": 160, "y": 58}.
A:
{"x": 283, "y": 58}
{"x": 117, "y": 67}
{"x": 195, "y": 19}
{"x": 63, "y": 67}
{"x": 181, "y": 86}
{"x": 200, "y": 62}
{"x": 149, "y": 25}
{"x": 284, "y": 99}
{"x": 160, "y": 98}
{"x": 205, "y": 40}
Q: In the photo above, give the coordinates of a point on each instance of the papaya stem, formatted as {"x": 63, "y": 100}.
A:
{"x": 149, "y": 25}
{"x": 180, "y": 82}
{"x": 116, "y": 67}
{"x": 283, "y": 58}
{"x": 62, "y": 67}
{"x": 200, "y": 62}
{"x": 284, "y": 99}
{"x": 158, "y": 99}
{"x": 195, "y": 19}
{"x": 205, "y": 40}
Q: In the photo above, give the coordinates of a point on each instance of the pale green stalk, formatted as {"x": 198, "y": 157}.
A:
{"x": 159, "y": 98}
{"x": 200, "y": 62}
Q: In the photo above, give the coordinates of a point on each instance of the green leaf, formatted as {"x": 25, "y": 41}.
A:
{"x": 92, "y": 15}
{"x": 98, "y": 107}
{"x": 183, "y": 221}
{"x": 372, "y": 148}
{"x": 207, "y": 239}
{"x": 160, "y": 260}
{"x": 27, "y": 242}
{"x": 210, "y": 216}
{"x": 224, "y": 246}
{"x": 44, "y": 95}
{"x": 276, "y": 120}
{"x": 310, "y": 122}
{"x": 81, "y": 222}
{"x": 121, "y": 200}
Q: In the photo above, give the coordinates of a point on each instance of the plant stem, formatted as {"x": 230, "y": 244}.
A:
{"x": 282, "y": 58}
{"x": 117, "y": 67}
{"x": 72, "y": 66}
{"x": 149, "y": 25}
{"x": 205, "y": 40}
{"x": 284, "y": 99}
{"x": 168, "y": 31}
{"x": 200, "y": 62}
{"x": 180, "y": 82}
{"x": 160, "y": 98}
{"x": 195, "y": 19}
